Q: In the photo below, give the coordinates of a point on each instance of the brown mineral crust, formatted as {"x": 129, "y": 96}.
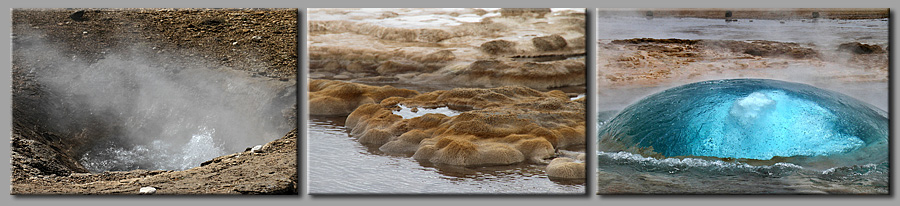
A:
{"x": 504, "y": 125}
{"x": 872, "y": 57}
{"x": 652, "y": 40}
{"x": 269, "y": 170}
{"x": 364, "y": 61}
{"x": 349, "y": 49}
{"x": 647, "y": 60}
{"x": 538, "y": 75}
{"x": 565, "y": 168}
{"x": 765, "y": 48}
{"x": 860, "y": 48}
{"x": 382, "y": 32}
{"x": 495, "y": 47}
{"x": 331, "y": 97}
{"x": 760, "y": 48}
{"x": 549, "y": 43}
{"x": 439, "y": 56}
{"x": 535, "y": 12}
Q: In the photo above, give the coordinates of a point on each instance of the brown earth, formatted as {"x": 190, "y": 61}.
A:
{"x": 261, "y": 41}
{"x": 269, "y": 170}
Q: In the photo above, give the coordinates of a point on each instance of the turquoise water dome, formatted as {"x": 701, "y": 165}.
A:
{"x": 751, "y": 119}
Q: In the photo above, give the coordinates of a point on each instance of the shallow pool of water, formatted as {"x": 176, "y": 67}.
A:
{"x": 338, "y": 164}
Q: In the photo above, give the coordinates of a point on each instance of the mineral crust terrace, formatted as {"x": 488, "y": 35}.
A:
{"x": 500, "y": 126}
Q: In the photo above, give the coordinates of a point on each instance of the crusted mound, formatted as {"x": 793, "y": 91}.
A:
{"x": 565, "y": 168}
{"x": 504, "y": 125}
{"x": 329, "y": 97}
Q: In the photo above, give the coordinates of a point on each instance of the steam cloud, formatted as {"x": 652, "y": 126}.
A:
{"x": 137, "y": 112}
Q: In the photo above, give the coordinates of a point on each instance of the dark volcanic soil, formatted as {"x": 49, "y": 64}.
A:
{"x": 261, "y": 41}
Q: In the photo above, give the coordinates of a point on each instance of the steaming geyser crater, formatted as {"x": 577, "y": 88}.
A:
{"x": 752, "y": 120}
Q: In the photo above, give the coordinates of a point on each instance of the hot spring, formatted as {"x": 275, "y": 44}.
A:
{"x": 752, "y": 120}
{"x": 129, "y": 113}
{"x": 744, "y": 136}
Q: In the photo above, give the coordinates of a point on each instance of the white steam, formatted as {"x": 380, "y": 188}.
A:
{"x": 148, "y": 112}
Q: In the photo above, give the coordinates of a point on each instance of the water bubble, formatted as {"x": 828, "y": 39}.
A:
{"x": 753, "y": 119}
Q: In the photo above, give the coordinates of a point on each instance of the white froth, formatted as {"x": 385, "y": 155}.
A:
{"x": 407, "y": 113}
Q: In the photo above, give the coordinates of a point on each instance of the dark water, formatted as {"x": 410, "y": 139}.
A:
{"x": 338, "y": 164}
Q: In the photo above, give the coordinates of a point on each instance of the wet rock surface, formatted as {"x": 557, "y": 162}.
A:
{"x": 45, "y": 157}
{"x": 500, "y": 126}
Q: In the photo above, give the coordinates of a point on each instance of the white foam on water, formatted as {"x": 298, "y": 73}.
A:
{"x": 407, "y": 113}
{"x": 577, "y": 97}
{"x": 690, "y": 162}
{"x": 749, "y": 108}
{"x": 832, "y": 170}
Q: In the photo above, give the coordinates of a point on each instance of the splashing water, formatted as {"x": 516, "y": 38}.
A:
{"x": 157, "y": 155}
{"x": 200, "y": 148}
{"x": 751, "y": 119}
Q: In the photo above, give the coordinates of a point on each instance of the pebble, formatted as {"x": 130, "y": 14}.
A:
{"x": 256, "y": 148}
{"x": 147, "y": 190}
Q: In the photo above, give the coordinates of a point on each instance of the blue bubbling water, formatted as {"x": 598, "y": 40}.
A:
{"x": 756, "y": 119}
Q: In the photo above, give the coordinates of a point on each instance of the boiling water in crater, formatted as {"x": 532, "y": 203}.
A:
{"x": 133, "y": 114}
{"x": 157, "y": 155}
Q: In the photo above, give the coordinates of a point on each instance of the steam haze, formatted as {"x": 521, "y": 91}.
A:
{"x": 837, "y": 71}
{"x": 142, "y": 110}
